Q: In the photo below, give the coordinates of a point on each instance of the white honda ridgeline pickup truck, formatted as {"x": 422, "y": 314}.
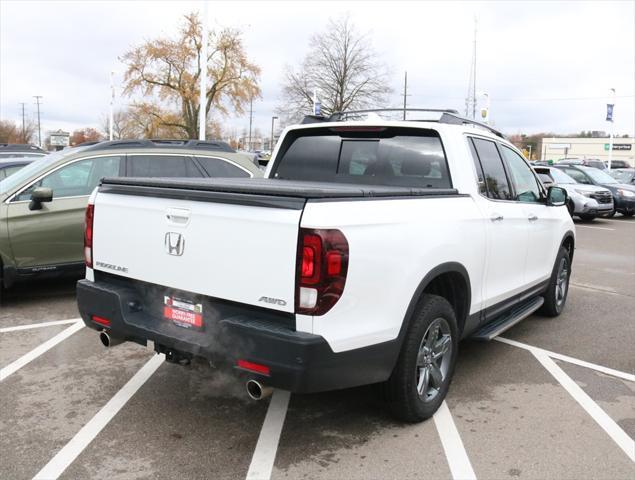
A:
{"x": 368, "y": 252}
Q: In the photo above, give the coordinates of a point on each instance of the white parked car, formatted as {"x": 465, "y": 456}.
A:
{"x": 584, "y": 200}
{"x": 380, "y": 244}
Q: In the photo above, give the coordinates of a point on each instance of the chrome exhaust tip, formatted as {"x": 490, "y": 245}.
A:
{"x": 108, "y": 341}
{"x": 258, "y": 391}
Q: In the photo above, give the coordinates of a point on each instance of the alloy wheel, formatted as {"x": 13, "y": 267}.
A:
{"x": 433, "y": 359}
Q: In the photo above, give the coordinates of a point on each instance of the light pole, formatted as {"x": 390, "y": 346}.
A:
{"x": 202, "y": 114}
{"x": 529, "y": 152}
{"x": 273, "y": 119}
{"x": 609, "y": 118}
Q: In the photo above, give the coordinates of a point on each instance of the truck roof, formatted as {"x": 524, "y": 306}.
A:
{"x": 447, "y": 116}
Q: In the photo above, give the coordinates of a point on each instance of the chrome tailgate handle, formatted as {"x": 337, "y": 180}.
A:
{"x": 178, "y": 216}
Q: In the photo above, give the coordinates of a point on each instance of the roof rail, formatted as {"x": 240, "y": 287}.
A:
{"x": 340, "y": 116}
{"x": 213, "y": 145}
{"x": 454, "y": 119}
{"x": 448, "y": 116}
{"x": 20, "y": 147}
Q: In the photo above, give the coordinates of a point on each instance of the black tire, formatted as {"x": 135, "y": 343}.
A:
{"x": 611, "y": 215}
{"x": 556, "y": 293}
{"x": 401, "y": 389}
{"x": 628, "y": 214}
{"x": 587, "y": 218}
{"x": 570, "y": 207}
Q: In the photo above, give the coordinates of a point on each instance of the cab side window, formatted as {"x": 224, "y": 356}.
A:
{"x": 216, "y": 167}
{"x": 525, "y": 183}
{"x": 496, "y": 181}
{"x": 479, "y": 169}
{"x": 162, "y": 166}
{"x": 76, "y": 179}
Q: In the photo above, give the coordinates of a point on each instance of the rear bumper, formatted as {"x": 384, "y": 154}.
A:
{"x": 299, "y": 362}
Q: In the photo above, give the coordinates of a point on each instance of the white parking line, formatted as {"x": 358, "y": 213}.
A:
{"x": 38, "y": 325}
{"x": 565, "y": 358}
{"x": 618, "y": 435}
{"x": 459, "y": 462}
{"x": 265, "y": 453}
{"x": 595, "y": 228}
{"x": 60, "y": 462}
{"x": 39, "y": 350}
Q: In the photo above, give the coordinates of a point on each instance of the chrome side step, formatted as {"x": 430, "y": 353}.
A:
{"x": 503, "y": 323}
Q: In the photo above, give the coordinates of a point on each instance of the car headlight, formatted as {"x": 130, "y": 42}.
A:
{"x": 586, "y": 193}
{"x": 626, "y": 193}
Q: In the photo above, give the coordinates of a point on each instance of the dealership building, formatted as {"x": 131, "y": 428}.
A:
{"x": 584, "y": 147}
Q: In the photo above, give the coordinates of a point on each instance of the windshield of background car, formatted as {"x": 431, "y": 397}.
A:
{"x": 560, "y": 177}
{"x": 33, "y": 169}
{"x": 364, "y": 155}
{"x": 623, "y": 176}
{"x": 599, "y": 176}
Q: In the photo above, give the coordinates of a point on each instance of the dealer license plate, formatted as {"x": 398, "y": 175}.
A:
{"x": 183, "y": 312}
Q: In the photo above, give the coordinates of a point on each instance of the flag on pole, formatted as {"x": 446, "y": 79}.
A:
{"x": 609, "y": 112}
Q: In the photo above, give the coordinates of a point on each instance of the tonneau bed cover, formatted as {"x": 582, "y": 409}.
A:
{"x": 270, "y": 187}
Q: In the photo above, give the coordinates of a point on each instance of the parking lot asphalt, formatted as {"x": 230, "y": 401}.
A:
{"x": 528, "y": 408}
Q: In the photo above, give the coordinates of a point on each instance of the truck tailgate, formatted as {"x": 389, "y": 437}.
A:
{"x": 238, "y": 252}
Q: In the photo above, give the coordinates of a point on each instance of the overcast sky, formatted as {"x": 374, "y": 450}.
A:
{"x": 546, "y": 66}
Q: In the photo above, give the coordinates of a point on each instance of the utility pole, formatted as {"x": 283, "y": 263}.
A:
{"x": 112, "y": 102}
{"x": 23, "y": 124}
{"x": 470, "y": 99}
{"x": 251, "y": 118}
{"x": 271, "y": 144}
{"x": 39, "y": 127}
{"x": 202, "y": 113}
{"x": 405, "y": 93}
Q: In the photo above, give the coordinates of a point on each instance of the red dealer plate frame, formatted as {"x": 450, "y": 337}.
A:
{"x": 182, "y": 312}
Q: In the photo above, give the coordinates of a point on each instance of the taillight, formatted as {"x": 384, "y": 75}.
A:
{"x": 321, "y": 270}
{"x": 88, "y": 235}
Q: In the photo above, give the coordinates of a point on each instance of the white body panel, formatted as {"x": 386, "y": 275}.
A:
{"x": 234, "y": 252}
{"x": 241, "y": 253}
{"x": 393, "y": 244}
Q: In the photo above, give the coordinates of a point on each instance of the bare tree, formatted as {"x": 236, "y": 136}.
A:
{"x": 168, "y": 70}
{"x": 344, "y": 68}
{"x": 11, "y": 132}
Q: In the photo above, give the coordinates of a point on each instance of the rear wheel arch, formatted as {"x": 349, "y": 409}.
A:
{"x": 449, "y": 280}
{"x": 568, "y": 242}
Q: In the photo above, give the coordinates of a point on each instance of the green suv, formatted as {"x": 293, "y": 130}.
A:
{"x": 42, "y": 206}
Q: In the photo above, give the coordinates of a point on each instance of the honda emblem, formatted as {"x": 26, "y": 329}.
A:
{"x": 174, "y": 243}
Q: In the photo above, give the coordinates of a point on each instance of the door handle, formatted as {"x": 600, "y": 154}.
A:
{"x": 532, "y": 217}
{"x": 496, "y": 217}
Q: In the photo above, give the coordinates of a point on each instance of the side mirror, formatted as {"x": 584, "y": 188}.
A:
{"x": 556, "y": 197}
{"x": 39, "y": 196}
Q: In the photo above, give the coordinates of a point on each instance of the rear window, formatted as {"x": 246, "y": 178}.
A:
{"x": 393, "y": 157}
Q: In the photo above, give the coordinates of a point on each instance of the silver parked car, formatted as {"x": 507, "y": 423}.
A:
{"x": 585, "y": 201}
